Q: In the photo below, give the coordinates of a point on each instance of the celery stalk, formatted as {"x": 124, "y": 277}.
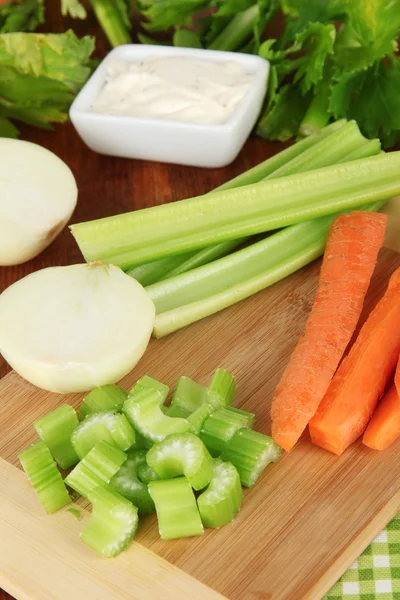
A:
{"x": 182, "y": 454}
{"x": 96, "y": 468}
{"x": 149, "y": 273}
{"x": 143, "y": 409}
{"x": 111, "y": 427}
{"x": 198, "y": 417}
{"x": 237, "y": 31}
{"x": 176, "y": 508}
{"x": 189, "y": 395}
{"x": 250, "y": 452}
{"x": 221, "y": 390}
{"x": 55, "y": 430}
{"x": 148, "y": 383}
{"x": 146, "y": 474}
{"x": 221, "y": 425}
{"x": 143, "y": 235}
{"x": 127, "y": 483}
{"x": 247, "y": 272}
{"x": 174, "y": 410}
{"x": 111, "y": 21}
{"x": 369, "y": 148}
{"x": 222, "y": 499}
{"x": 43, "y": 474}
{"x": 103, "y": 398}
{"x": 113, "y": 522}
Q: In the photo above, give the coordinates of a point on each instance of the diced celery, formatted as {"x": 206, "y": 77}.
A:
{"x": 250, "y": 452}
{"x": 111, "y": 427}
{"x": 182, "y": 454}
{"x": 112, "y": 524}
{"x": 176, "y": 508}
{"x": 143, "y": 410}
{"x": 127, "y": 483}
{"x": 221, "y": 389}
{"x": 197, "y": 419}
{"x": 148, "y": 383}
{"x": 146, "y": 474}
{"x": 188, "y": 394}
{"x": 55, "y": 430}
{"x": 103, "y": 398}
{"x": 174, "y": 410}
{"x": 42, "y": 472}
{"x": 96, "y": 468}
{"x": 221, "y": 425}
{"x": 133, "y": 238}
{"x": 222, "y": 499}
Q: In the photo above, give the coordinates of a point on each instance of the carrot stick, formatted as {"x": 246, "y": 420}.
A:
{"x": 350, "y": 256}
{"x": 362, "y": 376}
{"x": 384, "y": 427}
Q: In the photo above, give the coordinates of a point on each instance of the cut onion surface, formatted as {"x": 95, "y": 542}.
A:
{"x": 71, "y": 329}
{"x": 37, "y": 198}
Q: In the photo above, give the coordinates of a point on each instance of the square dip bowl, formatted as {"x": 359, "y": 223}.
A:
{"x": 166, "y": 140}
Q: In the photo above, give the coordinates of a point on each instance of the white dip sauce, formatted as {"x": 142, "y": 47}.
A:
{"x": 177, "y": 88}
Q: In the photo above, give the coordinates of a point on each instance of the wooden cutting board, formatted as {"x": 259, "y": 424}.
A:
{"x": 308, "y": 518}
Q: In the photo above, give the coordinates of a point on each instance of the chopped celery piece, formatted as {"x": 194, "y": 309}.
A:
{"x": 143, "y": 410}
{"x": 146, "y": 474}
{"x": 176, "y": 508}
{"x": 223, "y": 387}
{"x": 127, "y": 483}
{"x": 112, "y": 524}
{"x": 188, "y": 394}
{"x": 182, "y": 454}
{"x": 209, "y": 289}
{"x": 111, "y": 427}
{"x": 222, "y": 499}
{"x": 174, "y": 410}
{"x": 75, "y": 513}
{"x": 136, "y": 237}
{"x": 148, "y": 383}
{"x": 96, "y": 468}
{"x": 221, "y": 425}
{"x": 55, "y": 430}
{"x": 42, "y": 472}
{"x": 105, "y": 397}
{"x": 250, "y": 452}
{"x": 197, "y": 418}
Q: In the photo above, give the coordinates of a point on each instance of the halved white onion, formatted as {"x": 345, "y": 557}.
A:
{"x": 37, "y": 198}
{"x": 71, "y": 329}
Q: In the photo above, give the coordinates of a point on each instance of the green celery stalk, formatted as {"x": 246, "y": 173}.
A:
{"x": 198, "y": 417}
{"x": 111, "y": 427}
{"x": 188, "y": 395}
{"x": 222, "y": 499}
{"x": 250, "y": 452}
{"x": 127, "y": 483}
{"x": 176, "y": 508}
{"x": 96, "y": 468}
{"x": 146, "y": 474}
{"x": 148, "y": 383}
{"x": 369, "y": 148}
{"x": 174, "y": 410}
{"x": 43, "y": 474}
{"x": 221, "y": 425}
{"x": 112, "y": 524}
{"x": 222, "y": 388}
{"x": 55, "y": 430}
{"x": 143, "y": 410}
{"x": 103, "y": 398}
{"x": 170, "y": 266}
{"x": 230, "y": 214}
{"x": 112, "y": 21}
{"x": 237, "y": 31}
{"x": 182, "y": 454}
{"x": 244, "y": 273}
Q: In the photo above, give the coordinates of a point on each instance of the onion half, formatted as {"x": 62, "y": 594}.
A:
{"x": 71, "y": 329}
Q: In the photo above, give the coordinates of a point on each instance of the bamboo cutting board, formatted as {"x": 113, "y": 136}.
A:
{"x": 307, "y": 519}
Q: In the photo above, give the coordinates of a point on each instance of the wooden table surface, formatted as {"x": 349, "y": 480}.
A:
{"x": 110, "y": 185}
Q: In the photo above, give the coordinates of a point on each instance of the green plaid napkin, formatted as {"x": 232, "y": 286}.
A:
{"x": 376, "y": 574}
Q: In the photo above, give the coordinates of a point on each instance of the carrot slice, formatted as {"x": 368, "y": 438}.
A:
{"x": 384, "y": 427}
{"x": 350, "y": 256}
{"x": 361, "y": 378}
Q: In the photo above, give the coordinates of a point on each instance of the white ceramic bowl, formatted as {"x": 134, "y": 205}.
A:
{"x": 163, "y": 140}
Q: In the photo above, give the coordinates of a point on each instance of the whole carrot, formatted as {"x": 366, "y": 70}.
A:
{"x": 362, "y": 376}
{"x": 384, "y": 427}
{"x": 349, "y": 260}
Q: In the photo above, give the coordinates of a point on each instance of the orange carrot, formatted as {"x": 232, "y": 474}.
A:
{"x": 384, "y": 427}
{"x": 362, "y": 376}
{"x": 350, "y": 256}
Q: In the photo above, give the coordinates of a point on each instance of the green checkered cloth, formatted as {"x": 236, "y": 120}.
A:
{"x": 376, "y": 574}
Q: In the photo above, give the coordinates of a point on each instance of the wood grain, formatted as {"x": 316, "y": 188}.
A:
{"x": 312, "y": 513}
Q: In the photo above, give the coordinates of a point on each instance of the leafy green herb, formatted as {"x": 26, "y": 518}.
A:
{"x": 21, "y": 15}
{"x": 73, "y": 8}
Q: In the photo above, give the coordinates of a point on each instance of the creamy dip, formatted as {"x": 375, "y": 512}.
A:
{"x": 178, "y": 88}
